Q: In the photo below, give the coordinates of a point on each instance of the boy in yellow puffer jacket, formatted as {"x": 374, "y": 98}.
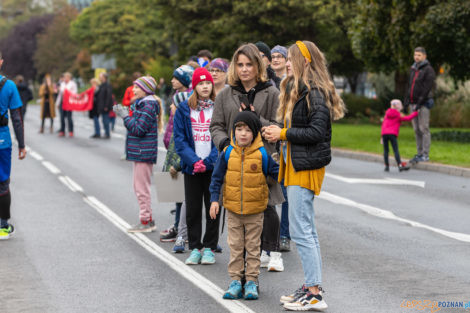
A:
{"x": 241, "y": 171}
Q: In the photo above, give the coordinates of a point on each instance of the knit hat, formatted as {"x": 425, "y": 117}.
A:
{"x": 201, "y": 74}
{"x": 147, "y": 84}
{"x": 179, "y": 97}
{"x": 220, "y": 64}
{"x": 249, "y": 118}
{"x": 184, "y": 74}
{"x": 262, "y": 47}
{"x": 280, "y": 49}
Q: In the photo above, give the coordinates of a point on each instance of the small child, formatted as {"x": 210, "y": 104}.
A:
{"x": 142, "y": 144}
{"x": 390, "y": 129}
{"x": 242, "y": 171}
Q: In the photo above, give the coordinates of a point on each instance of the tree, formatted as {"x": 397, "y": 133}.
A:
{"x": 127, "y": 29}
{"x": 225, "y": 24}
{"x": 13, "y": 12}
{"x": 385, "y": 32}
{"x": 18, "y": 54}
{"x": 56, "y": 51}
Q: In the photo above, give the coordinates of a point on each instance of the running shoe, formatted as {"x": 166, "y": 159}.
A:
{"x": 208, "y": 256}
{"x": 298, "y": 293}
{"x": 234, "y": 291}
{"x": 179, "y": 245}
{"x": 194, "y": 258}
{"x": 307, "y": 302}
{"x": 284, "y": 244}
{"x": 264, "y": 259}
{"x": 251, "y": 290}
{"x": 275, "y": 263}
{"x": 169, "y": 235}
{"x": 7, "y": 232}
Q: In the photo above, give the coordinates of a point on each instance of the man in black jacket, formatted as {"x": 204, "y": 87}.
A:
{"x": 419, "y": 96}
{"x": 104, "y": 105}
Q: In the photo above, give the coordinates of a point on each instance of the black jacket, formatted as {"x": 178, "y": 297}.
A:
{"x": 420, "y": 83}
{"x": 25, "y": 93}
{"x": 310, "y": 132}
{"x": 104, "y": 99}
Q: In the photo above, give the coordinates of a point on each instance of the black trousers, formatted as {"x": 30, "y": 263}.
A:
{"x": 5, "y": 201}
{"x": 65, "y": 115}
{"x": 393, "y": 140}
{"x": 196, "y": 191}
{"x": 271, "y": 228}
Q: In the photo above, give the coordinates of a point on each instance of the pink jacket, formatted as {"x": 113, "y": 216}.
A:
{"x": 392, "y": 121}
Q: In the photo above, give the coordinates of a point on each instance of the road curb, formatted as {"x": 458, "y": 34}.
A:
{"x": 428, "y": 166}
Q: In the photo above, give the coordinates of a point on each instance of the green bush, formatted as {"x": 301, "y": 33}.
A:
{"x": 452, "y": 104}
{"x": 452, "y": 136}
{"x": 363, "y": 109}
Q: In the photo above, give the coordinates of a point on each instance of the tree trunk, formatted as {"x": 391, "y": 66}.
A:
{"x": 401, "y": 81}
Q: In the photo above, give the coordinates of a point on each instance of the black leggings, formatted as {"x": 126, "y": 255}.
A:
{"x": 196, "y": 190}
{"x": 271, "y": 227}
{"x": 393, "y": 140}
{"x": 5, "y": 201}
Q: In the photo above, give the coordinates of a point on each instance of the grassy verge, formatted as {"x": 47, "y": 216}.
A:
{"x": 367, "y": 138}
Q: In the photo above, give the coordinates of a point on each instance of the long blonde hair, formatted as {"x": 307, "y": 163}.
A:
{"x": 252, "y": 53}
{"x": 312, "y": 75}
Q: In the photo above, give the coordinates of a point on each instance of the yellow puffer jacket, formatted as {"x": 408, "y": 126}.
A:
{"x": 245, "y": 187}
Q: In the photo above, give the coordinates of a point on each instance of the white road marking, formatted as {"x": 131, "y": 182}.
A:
{"x": 70, "y": 183}
{"x": 197, "y": 279}
{"x": 36, "y": 155}
{"x": 384, "y": 181}
{"x": 390, "y": 215}
{"x": 54, "y": 170}
{"x": 185, "y": 271}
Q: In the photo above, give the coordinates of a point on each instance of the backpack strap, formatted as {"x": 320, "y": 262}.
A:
{"x": 2, "y": 83}
{"x": 264, "y": 159}
{"x": 227, "y": 153}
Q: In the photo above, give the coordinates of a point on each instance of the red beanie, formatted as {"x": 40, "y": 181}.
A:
{"x": 200, "y": 75}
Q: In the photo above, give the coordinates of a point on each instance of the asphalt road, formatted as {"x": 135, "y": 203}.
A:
{"x": 386, "y": 238}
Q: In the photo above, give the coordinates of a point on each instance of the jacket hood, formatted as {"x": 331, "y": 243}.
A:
{"x": 420, "y": 65}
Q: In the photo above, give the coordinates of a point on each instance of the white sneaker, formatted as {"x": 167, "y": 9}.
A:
{"x": 264, "y": 259}
{"x": 275, "y": 263}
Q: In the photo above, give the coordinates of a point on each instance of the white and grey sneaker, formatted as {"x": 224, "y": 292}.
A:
{"x": 275, "y": 263}
{"x": 143, "y": 228}
{"x": 264, "y": 259}
{"x": 307, "y": 302}
{"x": 296, "y": 294}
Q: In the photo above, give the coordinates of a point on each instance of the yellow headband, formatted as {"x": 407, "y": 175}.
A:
{"x": 304, "y": 50}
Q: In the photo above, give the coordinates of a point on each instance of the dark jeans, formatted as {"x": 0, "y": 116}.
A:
{"x": 285, "y": 214}
{"x": 177, "y": 214}
{"x": 393, "y": 140}
{"x": 270, "y": 234}
{"x": 196, "y": 190}
{"x": 96, "y": 120}
{"x": 65, "y": 115}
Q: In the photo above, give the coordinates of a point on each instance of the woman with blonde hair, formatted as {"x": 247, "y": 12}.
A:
{"x": 47, "y": 93}
{"x": 308, "y": 104}
{"x": 249, "y": 89}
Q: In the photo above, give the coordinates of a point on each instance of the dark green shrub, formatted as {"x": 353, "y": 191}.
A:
{"x": 451, "y": 135}
{"x": 363, "y": 108}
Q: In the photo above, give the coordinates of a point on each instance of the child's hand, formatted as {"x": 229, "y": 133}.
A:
{"x": 214, "y": 210}
{"x": 173, "y": 172}
{"x": 381, "y": 140}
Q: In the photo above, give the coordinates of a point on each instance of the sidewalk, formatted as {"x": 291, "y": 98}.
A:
{"x": 426, "y": 166}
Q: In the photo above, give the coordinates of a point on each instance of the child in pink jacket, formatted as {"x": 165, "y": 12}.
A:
{"x": 391, "y": 128}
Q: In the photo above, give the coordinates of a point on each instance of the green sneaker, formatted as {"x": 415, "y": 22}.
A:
{"x": 207, "y": 256}
{"x": 194, "y": 258}
{"x": 6, "y": 233}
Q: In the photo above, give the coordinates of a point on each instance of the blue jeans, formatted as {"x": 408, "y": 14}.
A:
{"x": 285, "y": 214}
{"x": 105, "y": 119}
{"x": 304, "y": 234}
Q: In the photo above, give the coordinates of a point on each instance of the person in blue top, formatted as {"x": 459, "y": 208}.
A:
{"x": 9, "y": 100}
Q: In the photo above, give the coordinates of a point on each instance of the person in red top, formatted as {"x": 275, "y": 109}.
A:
{"x": 390, "y": 130}
{"x": 128, "y": 98}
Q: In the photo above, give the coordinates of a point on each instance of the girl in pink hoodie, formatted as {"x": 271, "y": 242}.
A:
{"x": 391, "y": 128}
